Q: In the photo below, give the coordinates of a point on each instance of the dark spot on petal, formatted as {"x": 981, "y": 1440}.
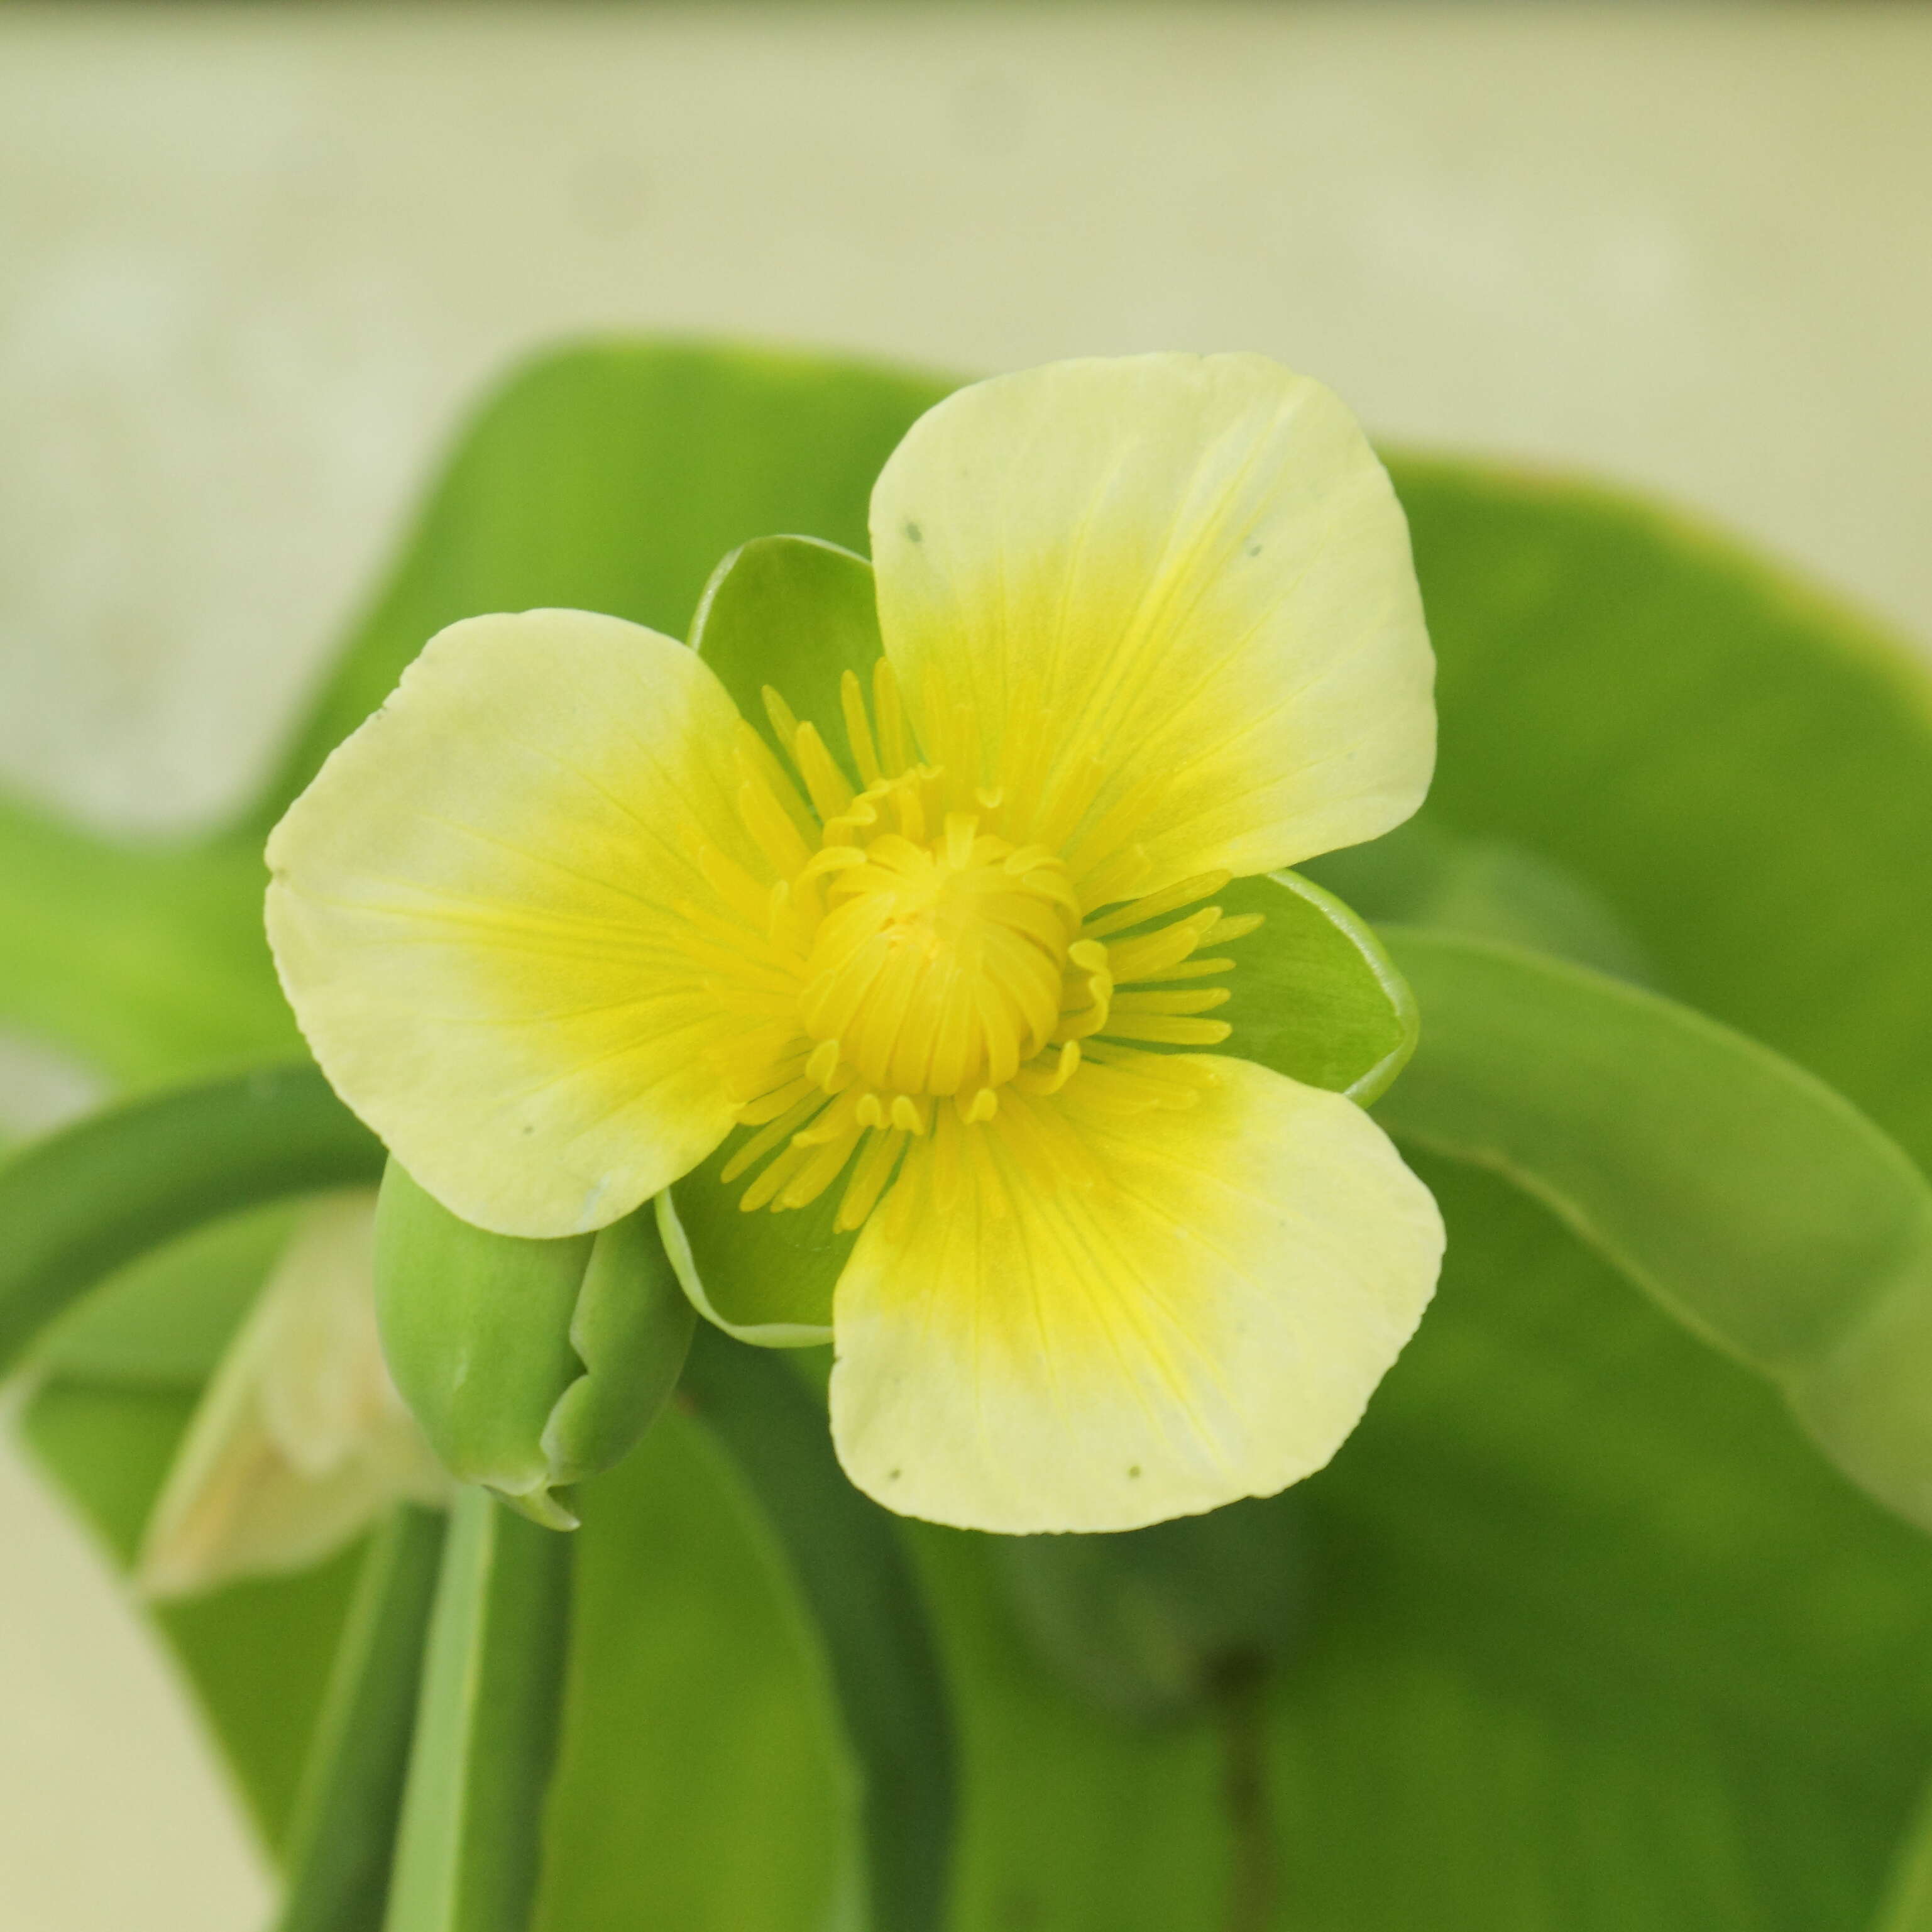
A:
{"x": 1134, "y": 1470}
{"x": 915, "y": 533}
{"x": 893, "y": 1475}
{"x": 1254, "y": 549}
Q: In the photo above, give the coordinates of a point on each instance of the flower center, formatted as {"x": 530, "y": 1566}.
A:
{"x": 937, "y": 968}
{"x": 918, "y": 971}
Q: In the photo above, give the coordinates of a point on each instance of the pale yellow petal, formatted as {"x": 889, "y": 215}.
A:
{"x": 1110, "y": 1316}
{"x": 300, "y": 1441}
{"x": 497, "y": 914}
{"x": 1165, "y": 605}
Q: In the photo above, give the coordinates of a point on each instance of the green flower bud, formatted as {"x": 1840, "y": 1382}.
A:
{"x": 530, "y": 1365}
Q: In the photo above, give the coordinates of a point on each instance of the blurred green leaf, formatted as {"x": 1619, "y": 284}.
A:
{"x": 1422, "y": 874}
{"x": 1164, "y": 1622}
{"x": 164, "y": 1320}
{"x": 1605, "y": 1645}
{"x": 87, "y": 1200}
{"x": 1907, "y": 1906}
{"x": 1754, "y": 1203}
{"x": 469, "y": 1842}
{"x": 1072, "y": 1822}
{"x": 147, "y": 961}
{"x": 614, "y": 477}
{"x": 867, "y": 1616}
{"x": 1741, "y": 769}
{"x": 697, "y": 1727}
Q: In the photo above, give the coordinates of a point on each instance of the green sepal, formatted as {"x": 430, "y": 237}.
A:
{"x": 1313, "y": 993}
{"x": 529, "y": 1364}
{"x": 795, "y": 613}
{"x": 764, "y": 1278}
{"x": 1754, "y": 1202}
{"x": 1157, "y": 1625}
{"x": 630, "y": 1328}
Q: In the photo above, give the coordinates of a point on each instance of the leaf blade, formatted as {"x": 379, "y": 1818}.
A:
{"x": 1756, "y": 1203}
{"x": 852, "y": 1574}
{"x": 85, "y": 1201}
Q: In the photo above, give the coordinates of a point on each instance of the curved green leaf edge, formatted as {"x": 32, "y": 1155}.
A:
{"x": 469, "y": 1848}
{"x": 1907, "y": 1904}
{"x": 1422, "y": 874}
{"x": 1750, "y": 1199}
{"x": 707, "y": 446}
{"x": 854, "y": 1578}
{"x": 144, "y": 959}
{"x": 87, "y": 1200}
{"x": 341, "y": 1839}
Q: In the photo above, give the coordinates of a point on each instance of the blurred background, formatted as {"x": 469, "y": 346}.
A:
{"x": 255, "y": 262}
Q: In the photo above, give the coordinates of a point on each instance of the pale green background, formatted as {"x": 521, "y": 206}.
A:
{"x": 251, "y": 263}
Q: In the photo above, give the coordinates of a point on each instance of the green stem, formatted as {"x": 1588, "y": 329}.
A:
{"x": 845, "y": 1556}
{"x": 468, "y": 1852}
{"x": 342, "y": 1840}
{"x": 84, "y": 1202}
{"x": 1241, "y": 1692}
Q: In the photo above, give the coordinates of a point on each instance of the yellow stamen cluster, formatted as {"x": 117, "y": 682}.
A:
{"x": 919, "y": 971}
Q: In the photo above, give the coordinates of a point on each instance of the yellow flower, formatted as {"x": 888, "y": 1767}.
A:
{"x": 302, "y": 1441}
{"x": 556, "y": 922}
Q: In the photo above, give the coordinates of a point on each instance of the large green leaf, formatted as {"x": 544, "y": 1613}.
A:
{"x": 700, "y": 1785}
{"x": 846, "y": 1562}
{"x": 146, "y": 961}
{"x": 1753, "y": 1201}
{"x": 82, "y": 1204}
{"x": 614, "y": 477}
{"x": 164, "y": 1319}
{"x": 1742, "y": 769}
{"x": 1606, "y": 1646}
